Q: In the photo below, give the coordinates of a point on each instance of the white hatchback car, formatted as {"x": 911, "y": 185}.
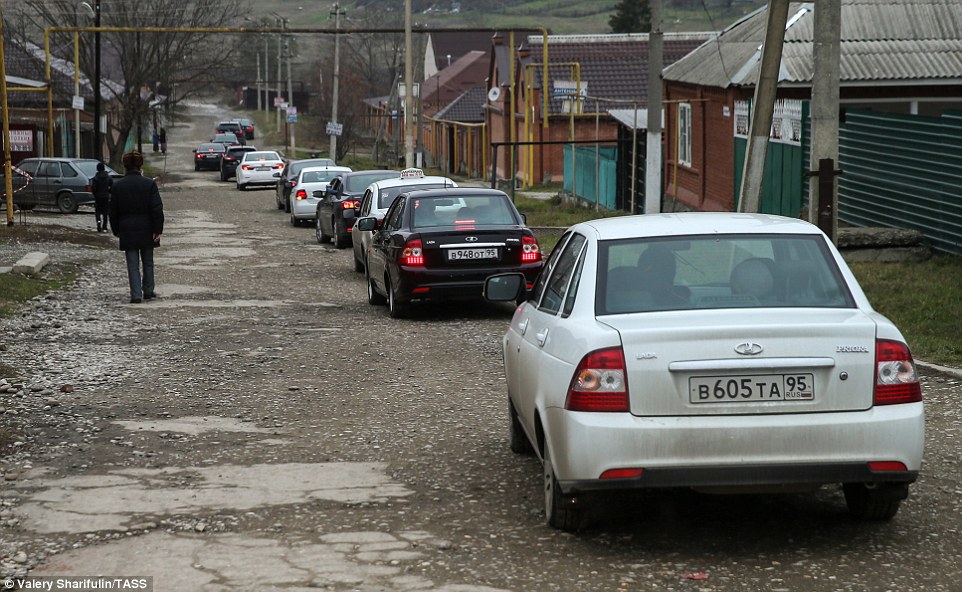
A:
{"x": 303, "y": 198}
{"x": 379, "y": 196}
{"x": 262, "y": 167}
{"x": 722, "y": 352}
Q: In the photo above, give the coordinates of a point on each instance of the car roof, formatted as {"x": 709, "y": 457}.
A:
{"x": 388, "y": 183}
{"x": 694, "y": 223}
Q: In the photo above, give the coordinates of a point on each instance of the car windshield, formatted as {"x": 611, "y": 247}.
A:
{"x": 89, "y": 167}
{"x": 465, "y": 212}
{"x": 358, "y": 182}
{"x": 317, "y": 176}
{"x": 261, "y": 156}
{"x": 386, "y": 196}
{"x": 296, "y": 167}
{"x": 718, "y": 271}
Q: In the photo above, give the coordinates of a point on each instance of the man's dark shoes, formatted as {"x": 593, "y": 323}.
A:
{"x": 150, "y": 296}
{"x": 136, "y": 300}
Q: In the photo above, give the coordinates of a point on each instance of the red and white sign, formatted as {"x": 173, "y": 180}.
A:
{"x": 21, "y": 141}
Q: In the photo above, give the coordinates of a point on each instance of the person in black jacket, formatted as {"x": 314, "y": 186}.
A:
{"x": 137, "y": 217}
{"x": 101, "y": 189}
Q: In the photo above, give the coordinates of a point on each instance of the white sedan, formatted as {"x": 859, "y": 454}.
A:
{"x": 308, "y": 189}
{"x": 722, "y": 352}
{"x": 262, "y": 167}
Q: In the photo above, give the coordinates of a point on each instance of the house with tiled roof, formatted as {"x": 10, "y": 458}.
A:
{"x": 901, "y": 116}
{"x": 602, "y": 71}
{"x": 460, "y": 135}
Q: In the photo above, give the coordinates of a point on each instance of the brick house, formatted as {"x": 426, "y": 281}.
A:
{"x": 900, "y": 66}
{"x": 604, "y": 71}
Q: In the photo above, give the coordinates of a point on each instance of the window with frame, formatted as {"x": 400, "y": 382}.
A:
{"x": 394, "y": 215}
{"x": 542, "y": 281}
{"x": 559, "y": 281}
{"x": 684, "y": 134}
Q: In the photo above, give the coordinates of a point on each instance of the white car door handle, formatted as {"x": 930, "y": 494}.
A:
{"x": 542, "y": 337}
{"x": 523, "y": 326}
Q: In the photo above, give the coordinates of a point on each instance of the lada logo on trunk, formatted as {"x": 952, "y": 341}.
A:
{"x": 471, "y": 239}
{"x": 748, "y": 349}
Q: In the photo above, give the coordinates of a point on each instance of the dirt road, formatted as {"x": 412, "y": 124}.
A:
{"x": 261, "y": 427}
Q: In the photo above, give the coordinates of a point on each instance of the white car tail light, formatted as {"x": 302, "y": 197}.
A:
{"x": 896, "y": 380}
{"x": 599, "y": 383}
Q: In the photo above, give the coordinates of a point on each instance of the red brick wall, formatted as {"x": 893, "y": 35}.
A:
{"x": 708, "y": 183}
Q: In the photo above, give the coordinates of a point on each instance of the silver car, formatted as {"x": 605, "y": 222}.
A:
{"x": 311, "y": 181}
{"x": 63, "y": 183}
{"x": 378, "y": 198}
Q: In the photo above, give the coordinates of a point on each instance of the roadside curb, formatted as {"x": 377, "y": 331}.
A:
{"x": 954, "y": 372}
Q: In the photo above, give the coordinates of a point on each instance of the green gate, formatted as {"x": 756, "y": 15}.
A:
{"x": 596, "y": 179}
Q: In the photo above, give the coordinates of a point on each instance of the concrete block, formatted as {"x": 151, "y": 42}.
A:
{"x": 31, "y": 263}
{"x": 5, "y": 270}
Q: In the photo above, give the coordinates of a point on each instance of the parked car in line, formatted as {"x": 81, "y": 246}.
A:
{"x": 248, "y": 126}
{"x": 309, "y": 186}
{"x": 227, "y": 139}
{"x": 716, "y": 351}
{"x": 209, "y": 155}
{"x": 64, "y": 183}
{"x": 289, "y": 178}
{"x": 232, "y": 157}
{"x": 233, "y": 127}
{"x": 379, "y": 196}
{"x": 260, "y": 168}
{"x": 441, "y": 244}
{"x": 337, "y": 208}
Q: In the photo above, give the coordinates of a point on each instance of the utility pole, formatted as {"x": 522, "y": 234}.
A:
{"x": 283, "y": 23}
{"x": 290, "y": 95}
{"x": 826, "y": 53}
{"x": 408, "y": 88}
{"x": 763, "y": 105}
{"x": 655, "y": 95}
{"x": 7, "y": 169}
{"x": 267, "y": 76}
{"x": 98, "y": 147}
{"x": 258, "y": 80}
{"x": 337, "y": 12}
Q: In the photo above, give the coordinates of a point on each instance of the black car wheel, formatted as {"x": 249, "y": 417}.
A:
{"x": 373, "y": 296}
{"x": 396, "y": 309}
{"x": 875, "y": 501}
{"x": 294, "y": 221}
{"x": 318, "y": 233}
{"x": 340, "y": 241}
{"x": 66, "y": 203}
{"x": 196, "y": 167}
{"x": 223, "y": 176}
{"x": 559, "y": 510}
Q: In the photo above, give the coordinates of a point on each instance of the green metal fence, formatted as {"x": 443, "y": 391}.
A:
{"x": 903, "y": 171}
{"x": 593, "y": 180}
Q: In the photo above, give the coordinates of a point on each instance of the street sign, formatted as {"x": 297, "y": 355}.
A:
{"x": 292, "y": 110}
{"x": 278, "y": 101}
{"x": 335, "y": 129}
{"x": 285, "y": 105}
{"x": 78, "y": 103}
{"x": 291, "y": 117}
{"x": 566, "y": 89}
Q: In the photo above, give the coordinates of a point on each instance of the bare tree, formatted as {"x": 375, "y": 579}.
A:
{"x": 141, "y": 68}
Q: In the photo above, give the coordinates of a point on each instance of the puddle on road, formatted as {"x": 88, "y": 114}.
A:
{"x": 126, "y": 497}
{"x": 194, "y": 425}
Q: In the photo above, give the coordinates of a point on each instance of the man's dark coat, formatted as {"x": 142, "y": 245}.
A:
{"x": 136, "y": 211}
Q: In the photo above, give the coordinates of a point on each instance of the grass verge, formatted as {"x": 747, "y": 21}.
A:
{"x": 15, "y": 289}
{"x": 924, "y": 300}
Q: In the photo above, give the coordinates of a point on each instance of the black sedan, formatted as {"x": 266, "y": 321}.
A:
{"x": 288, "y": 179}
{"x": 441, "y": 244}
{"x": 233, "y": 156}
{"x": 208, "y": 156}
{"x": 336, "y": 209}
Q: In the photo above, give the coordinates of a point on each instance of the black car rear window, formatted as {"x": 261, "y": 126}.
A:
{"x": 477, "y": 210}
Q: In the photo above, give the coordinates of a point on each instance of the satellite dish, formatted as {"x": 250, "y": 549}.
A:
{"x": 494, "y": 94}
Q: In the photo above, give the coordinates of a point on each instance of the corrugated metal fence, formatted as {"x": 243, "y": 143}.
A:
{"x": 596, "y": 179}
{"x": 903, "y": 171}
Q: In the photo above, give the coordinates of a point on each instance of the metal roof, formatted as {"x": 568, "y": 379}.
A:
{"x": 882, "y": 41}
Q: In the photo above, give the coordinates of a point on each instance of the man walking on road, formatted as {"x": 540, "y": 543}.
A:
{"x": 137, "y": 217}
